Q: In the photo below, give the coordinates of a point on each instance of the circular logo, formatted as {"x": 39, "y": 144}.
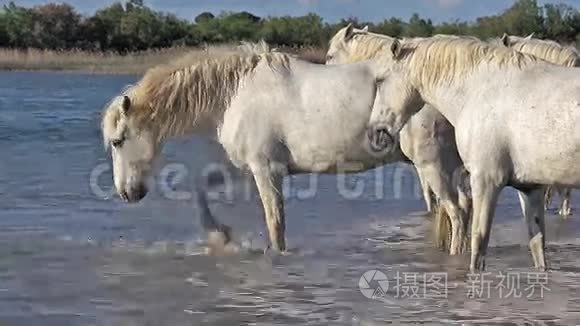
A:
{"x": 373, "y": 284}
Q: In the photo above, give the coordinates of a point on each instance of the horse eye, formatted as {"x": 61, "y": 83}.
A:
{"x": 117, "y": 143}
{"x": 329, "y": 57}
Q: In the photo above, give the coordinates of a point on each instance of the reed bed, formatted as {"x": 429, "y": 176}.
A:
{"x": 109, "y": 62}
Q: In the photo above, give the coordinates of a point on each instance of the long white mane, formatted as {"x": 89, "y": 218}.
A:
{"x": 364, "y": 45}
{"x": 548, "y": 50}
{"x": 438, "y": 60}
{"x": 172, "y": 97}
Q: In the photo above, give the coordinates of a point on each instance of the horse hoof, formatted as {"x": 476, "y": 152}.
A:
{"x": 565, "y": 213}
{"x": 269, "y": 251}
{"x": 542, "y": 269}
{"x": 220, "y": 242}
{"x": 227, "y": 250}
{"x": 478, "y": 266}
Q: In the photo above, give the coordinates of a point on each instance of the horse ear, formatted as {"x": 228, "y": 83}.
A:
{"x": 126, "y": 105}
{"x": 505, "y": 39}
{"x": 531, "y": 36}
{"x": 396, "y": 48}
{"x": 349, "y": 32}
{"x": 365, "y": 29}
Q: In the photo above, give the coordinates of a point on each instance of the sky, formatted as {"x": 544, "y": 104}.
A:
{"x": 330, "y": 10}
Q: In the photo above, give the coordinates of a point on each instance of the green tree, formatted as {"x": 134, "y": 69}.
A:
{"x": 135, "y": 3}
{"x": 419, "y": 27}
{"x": 393, "y": 27}
{"x": 238, "y": 26}
{"x": 131, "y": 25}
{"x": 204, "y": 17}
{"x": 4, "y": 39}
{"x": 206, "y": 31}
{"x": 174, "y": 31}
{"x": 453, "y": 28}
{"x": 104, "y": 28}
{"x": 290, "y": 31}
{"x": 490, "y": 26}
{"x": 523, "y": 18}
{"x": 561, "y": 22}
{"x": 140, "y": 28}
{"x": 56, "y": 26}
{"x": 18, "y": 25}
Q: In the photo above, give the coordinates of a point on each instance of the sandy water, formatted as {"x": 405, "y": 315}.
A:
{"x": 70, "y": 255}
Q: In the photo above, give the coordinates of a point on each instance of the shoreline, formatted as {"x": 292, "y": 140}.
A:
{"x": 79, "y": 71}
{"x": 99, "y": 63}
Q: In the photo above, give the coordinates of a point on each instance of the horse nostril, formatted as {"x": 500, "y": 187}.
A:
{"x": 383, "y": 135}
{"x": 124, "y": 195}
{"x": 142, "y": 191}
{"x": 139, "y": 192}
{"x": 379, "y": 138}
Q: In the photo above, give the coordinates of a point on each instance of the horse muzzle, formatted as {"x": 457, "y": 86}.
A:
{"x": 380, "y": 140}
{"x": 134, "y": 194}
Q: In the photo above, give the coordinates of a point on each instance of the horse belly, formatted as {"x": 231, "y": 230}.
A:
{"x": 545, "y": 142}
{"x": 326, "y": 132}
{"x": 556, "y": 165}
{"x": 332, "y": 157}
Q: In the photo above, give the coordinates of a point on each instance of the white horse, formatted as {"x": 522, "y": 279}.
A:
{"x": 428, "y": 140}
{"x": 515, "y": 119}
{"x": 274, "y": 114}
{"x": 555, "y": 53}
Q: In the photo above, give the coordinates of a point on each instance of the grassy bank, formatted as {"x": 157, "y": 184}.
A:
{"x": 110, "y": 63}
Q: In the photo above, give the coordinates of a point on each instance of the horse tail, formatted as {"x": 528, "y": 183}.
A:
{"x": 441, "y": 228}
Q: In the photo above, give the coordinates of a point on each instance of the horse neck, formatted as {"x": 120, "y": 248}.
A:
{"x": 204, "y": 123}
{"x": 208, "y": 124}
{"x": 448, "y": 100}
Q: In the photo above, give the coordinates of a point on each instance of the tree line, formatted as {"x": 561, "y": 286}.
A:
{"x": 132, "y": 26}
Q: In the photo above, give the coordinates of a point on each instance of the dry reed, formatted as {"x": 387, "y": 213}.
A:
{"x": 109, "y": 62}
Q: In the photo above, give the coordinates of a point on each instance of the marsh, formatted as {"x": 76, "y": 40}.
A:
{"x": 73, "y": 256}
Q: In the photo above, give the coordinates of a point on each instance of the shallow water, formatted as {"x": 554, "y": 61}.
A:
{"x": 71, "y": 255}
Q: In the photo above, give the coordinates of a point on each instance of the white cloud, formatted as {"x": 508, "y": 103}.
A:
{"x": 445, "y": 4}
{"x": 308, "y": 2}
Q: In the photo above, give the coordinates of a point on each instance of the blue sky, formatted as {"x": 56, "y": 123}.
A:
{"x": 330, "y": 10}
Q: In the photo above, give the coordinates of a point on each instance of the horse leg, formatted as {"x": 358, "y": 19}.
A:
{"x": 219, "y": 237}
{"x": 461, "y": 183}
{"x": 548, "y": 197}
{"x": 427, "y": 195}
{"x": 269, "y": 184}
{"x": 485, "y": 195}
{"x": 458, "y": 227}
{"x": 442, "y": 186}
{"x": 531, "y": 202}
{"x": 565, "y": 209}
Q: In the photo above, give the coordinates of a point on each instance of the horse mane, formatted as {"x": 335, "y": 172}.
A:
{"x": 437, "y": 60}
{"x": 173, "y": 97}
{"x": 369, "y": 46}
{"x": 548, "y": 50}
{"x": 372, "y": 45}
{"x": 365, "y": 45}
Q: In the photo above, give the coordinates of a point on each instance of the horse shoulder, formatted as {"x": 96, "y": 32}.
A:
{"x": 252, "y": 121}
